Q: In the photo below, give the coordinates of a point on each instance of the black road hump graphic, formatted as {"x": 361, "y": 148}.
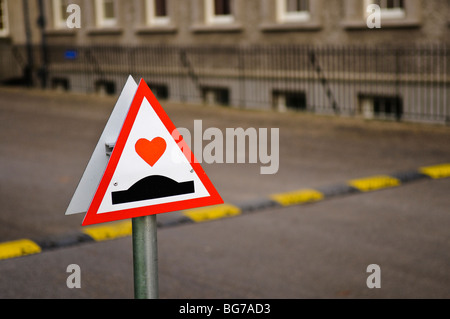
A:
{"x": 151, "y": 187}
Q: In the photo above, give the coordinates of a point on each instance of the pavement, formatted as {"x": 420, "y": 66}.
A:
{"x": 349, "y": 193}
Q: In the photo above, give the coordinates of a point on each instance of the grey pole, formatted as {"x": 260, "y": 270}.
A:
{"x": 145, "y": 257}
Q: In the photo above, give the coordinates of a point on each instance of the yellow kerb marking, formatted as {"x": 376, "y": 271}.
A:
{"x": 436, "y": 171}
{"x": 213, "y": 212}
{"x": 111, "y": 231}
{"x": 374, "y": 183}
{"x": 18, "y": 248}
{"x": 298, "y": 197}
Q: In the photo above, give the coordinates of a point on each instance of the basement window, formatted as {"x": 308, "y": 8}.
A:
{"x": 105, "y": 87}
{"x": 60, "y": 84}
{"x": 381, "y": 107}
{"x": 288, "y": 100}
{"x": 161, "y": 91}
{"x": 216, "y": 96}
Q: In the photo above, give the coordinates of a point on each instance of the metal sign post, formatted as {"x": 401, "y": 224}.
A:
{"x": 141, "y": 177}
{"x": 145, "y": 257}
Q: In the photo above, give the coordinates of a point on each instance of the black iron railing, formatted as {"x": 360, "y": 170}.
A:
{"x": 397, "y": 82}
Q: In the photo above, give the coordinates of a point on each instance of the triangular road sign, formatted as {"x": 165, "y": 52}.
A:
{"x": 92, "y": 175}
{"x": 149, "y": 171}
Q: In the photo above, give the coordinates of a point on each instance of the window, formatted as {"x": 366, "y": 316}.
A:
{"x": 4, "y": 27}
{"x": 60, "y": 14}
{"x": 219, "y": 11}
{"x": 293, "y": 10}
{"x": 156, "y": 12}
{"x": 161, "y": 91}
{"x": 392, "y": 14}
{"x": 60, "y": 84}
{"x": 390, "y": 9}
{"x": 381, "y": 107}
{"x": 216, "y": 96}
{"x": 105, "y": 87}
{"x": 106, "y": 13}
{"x": 390, "y": 4}
{"x": 288, "y": 100}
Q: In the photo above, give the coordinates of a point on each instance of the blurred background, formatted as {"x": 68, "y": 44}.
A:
{"x": 350, "y": 101}
{"x": 314, "y": 56}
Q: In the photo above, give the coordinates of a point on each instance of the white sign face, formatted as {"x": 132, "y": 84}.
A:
{"x": 170, "y": 178}
{"x": 99, "y": 160}
{"x": 149, "y": 172}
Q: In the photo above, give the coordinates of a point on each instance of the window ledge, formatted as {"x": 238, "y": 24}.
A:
{"x": 60, "y": 32}
{"x": 104, "y": 31}
{"x": 391, "y": 24}
{"x": 290, "y": 26}
{"x": 156, "y": 29}
{"x": 210, "y": 28}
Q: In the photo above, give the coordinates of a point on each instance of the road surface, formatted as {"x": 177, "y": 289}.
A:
{"x": 317, "y": 250}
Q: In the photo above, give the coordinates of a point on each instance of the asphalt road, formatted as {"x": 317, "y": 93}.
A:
{"x": 318, "y": 250}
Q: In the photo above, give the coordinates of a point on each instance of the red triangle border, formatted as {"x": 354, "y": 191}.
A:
{"x": 92, "y": 217}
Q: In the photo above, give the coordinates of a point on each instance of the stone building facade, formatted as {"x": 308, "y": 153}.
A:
{"x": 200, "y": 22}
{"x": 304, "y": 54}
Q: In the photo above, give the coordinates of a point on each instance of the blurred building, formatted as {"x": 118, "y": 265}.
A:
{"x": 192, "y": 22}
{"x": 312, "y": 55}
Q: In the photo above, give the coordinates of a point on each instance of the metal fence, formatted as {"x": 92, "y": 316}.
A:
{"x": 392, "y": 82}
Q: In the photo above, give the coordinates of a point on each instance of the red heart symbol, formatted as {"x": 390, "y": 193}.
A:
{"x": 150, "y": 151}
